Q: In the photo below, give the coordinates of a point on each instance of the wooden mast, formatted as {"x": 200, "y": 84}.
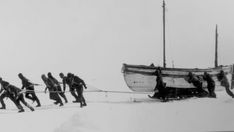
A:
{"x": 216, "y": 46}
{"x": 164, "y": 39}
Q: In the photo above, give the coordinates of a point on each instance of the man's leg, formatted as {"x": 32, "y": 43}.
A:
{"x": 229, "y": 92}
{"x": 21, "y": 99}
{"x": 34, "y": 96}
{"x": 2, "y": 101}
{"x": 27, "y": 95}
{"x": 64, "y": 97}
{"x": 58, "y": 99}
{"x": 17, "y": 103}
{"x": 74, "y": 95}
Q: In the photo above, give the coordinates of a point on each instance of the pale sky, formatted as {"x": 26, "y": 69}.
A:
{"x": 93, "y": 38}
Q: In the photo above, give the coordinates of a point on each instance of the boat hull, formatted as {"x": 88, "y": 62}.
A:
{"x": 140, "y": 78}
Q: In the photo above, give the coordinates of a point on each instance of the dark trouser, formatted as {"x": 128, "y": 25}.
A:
{"x": 80, "y": 95}
{"x": 59, "y": 89}
{"x": 63, "y": 96}
{"x": 19, "y": 99}
{"x": 15, "y": 101}
{"x": 33, "y": 97}
{"x": 74, "y": 94}
{"x": 77, "y": 92}
{"x": 55, "y": 96}
{"x": 162, "y": 93}
{"x": 229, "y": 92}
{"x": 5, "y": 94}
{"x": 211, "y": 89}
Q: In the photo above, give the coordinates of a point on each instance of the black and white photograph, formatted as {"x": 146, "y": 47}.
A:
{"x": 117, "y": 65}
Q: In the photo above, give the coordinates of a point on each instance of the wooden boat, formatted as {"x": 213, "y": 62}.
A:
{"x": 140, "y": 78}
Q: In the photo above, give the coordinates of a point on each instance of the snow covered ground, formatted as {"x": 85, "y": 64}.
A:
{"x": 115, "y": 112}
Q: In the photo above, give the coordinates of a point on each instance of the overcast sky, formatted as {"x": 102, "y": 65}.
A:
{"x": 93, "y": 38}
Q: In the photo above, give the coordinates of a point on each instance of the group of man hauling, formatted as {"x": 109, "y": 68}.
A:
{"x": 163, "y": 92}
{"x": 16, "y": 95}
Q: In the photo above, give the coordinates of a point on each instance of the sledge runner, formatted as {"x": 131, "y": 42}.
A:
{"x": 210, "y": 84}
{"x": 29, "y": 89}
{"x": 57, "y": 86}
{"x": 52, "y": 91}
{"x": 224, "y": 82}
{"x": 15, "y": 94}
{"x": 195, "y": 80}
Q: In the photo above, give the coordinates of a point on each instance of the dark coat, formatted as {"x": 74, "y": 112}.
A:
{"x": 11, "y": 89}
{"x": 27, "y": 84}
{"x": 195, "y": 81}
{"x": 65, "y": 81}
{"x": 50, "y": 86}
{"x": 78, "y": 82}
{"x": 210, "y": 81}
{"x": 223, "y": 79}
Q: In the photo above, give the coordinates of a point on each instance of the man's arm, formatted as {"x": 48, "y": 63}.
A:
{"x": 1, "y": 89}
{"x": 83, "y": 83}
{"x": 23, "y": 84}
{"x": 64, "y": 85}
{"x": 46, "y": 89}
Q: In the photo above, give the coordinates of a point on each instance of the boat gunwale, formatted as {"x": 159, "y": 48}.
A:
{"x": 125, "y": 66}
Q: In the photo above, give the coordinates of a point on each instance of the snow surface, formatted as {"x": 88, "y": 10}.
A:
{"x": 121, "y": 112}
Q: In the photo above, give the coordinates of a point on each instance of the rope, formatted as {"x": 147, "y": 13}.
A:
{"x": 97, "y": 91}
{"x": 52, "y": 106}
{"x": 89, "y": 91}
{"x": 125, "y": 92}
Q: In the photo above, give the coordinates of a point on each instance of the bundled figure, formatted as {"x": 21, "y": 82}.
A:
{"x": 68, "y": 80}
{"x": 15, "y": 94}
{"x": 53, "y": 94}
{"x": 5, "y": 94}
{"x": 160, "y": 86}
{"x": 196, "y": 81}
{"x": 210, "y": 84}
{"x": 29, "y": 89}
{"x": 76, "y": 84}
{"x": 224, "y": 82}
{"x": 64, "y": 81}
{"x": 57, "y": 86}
